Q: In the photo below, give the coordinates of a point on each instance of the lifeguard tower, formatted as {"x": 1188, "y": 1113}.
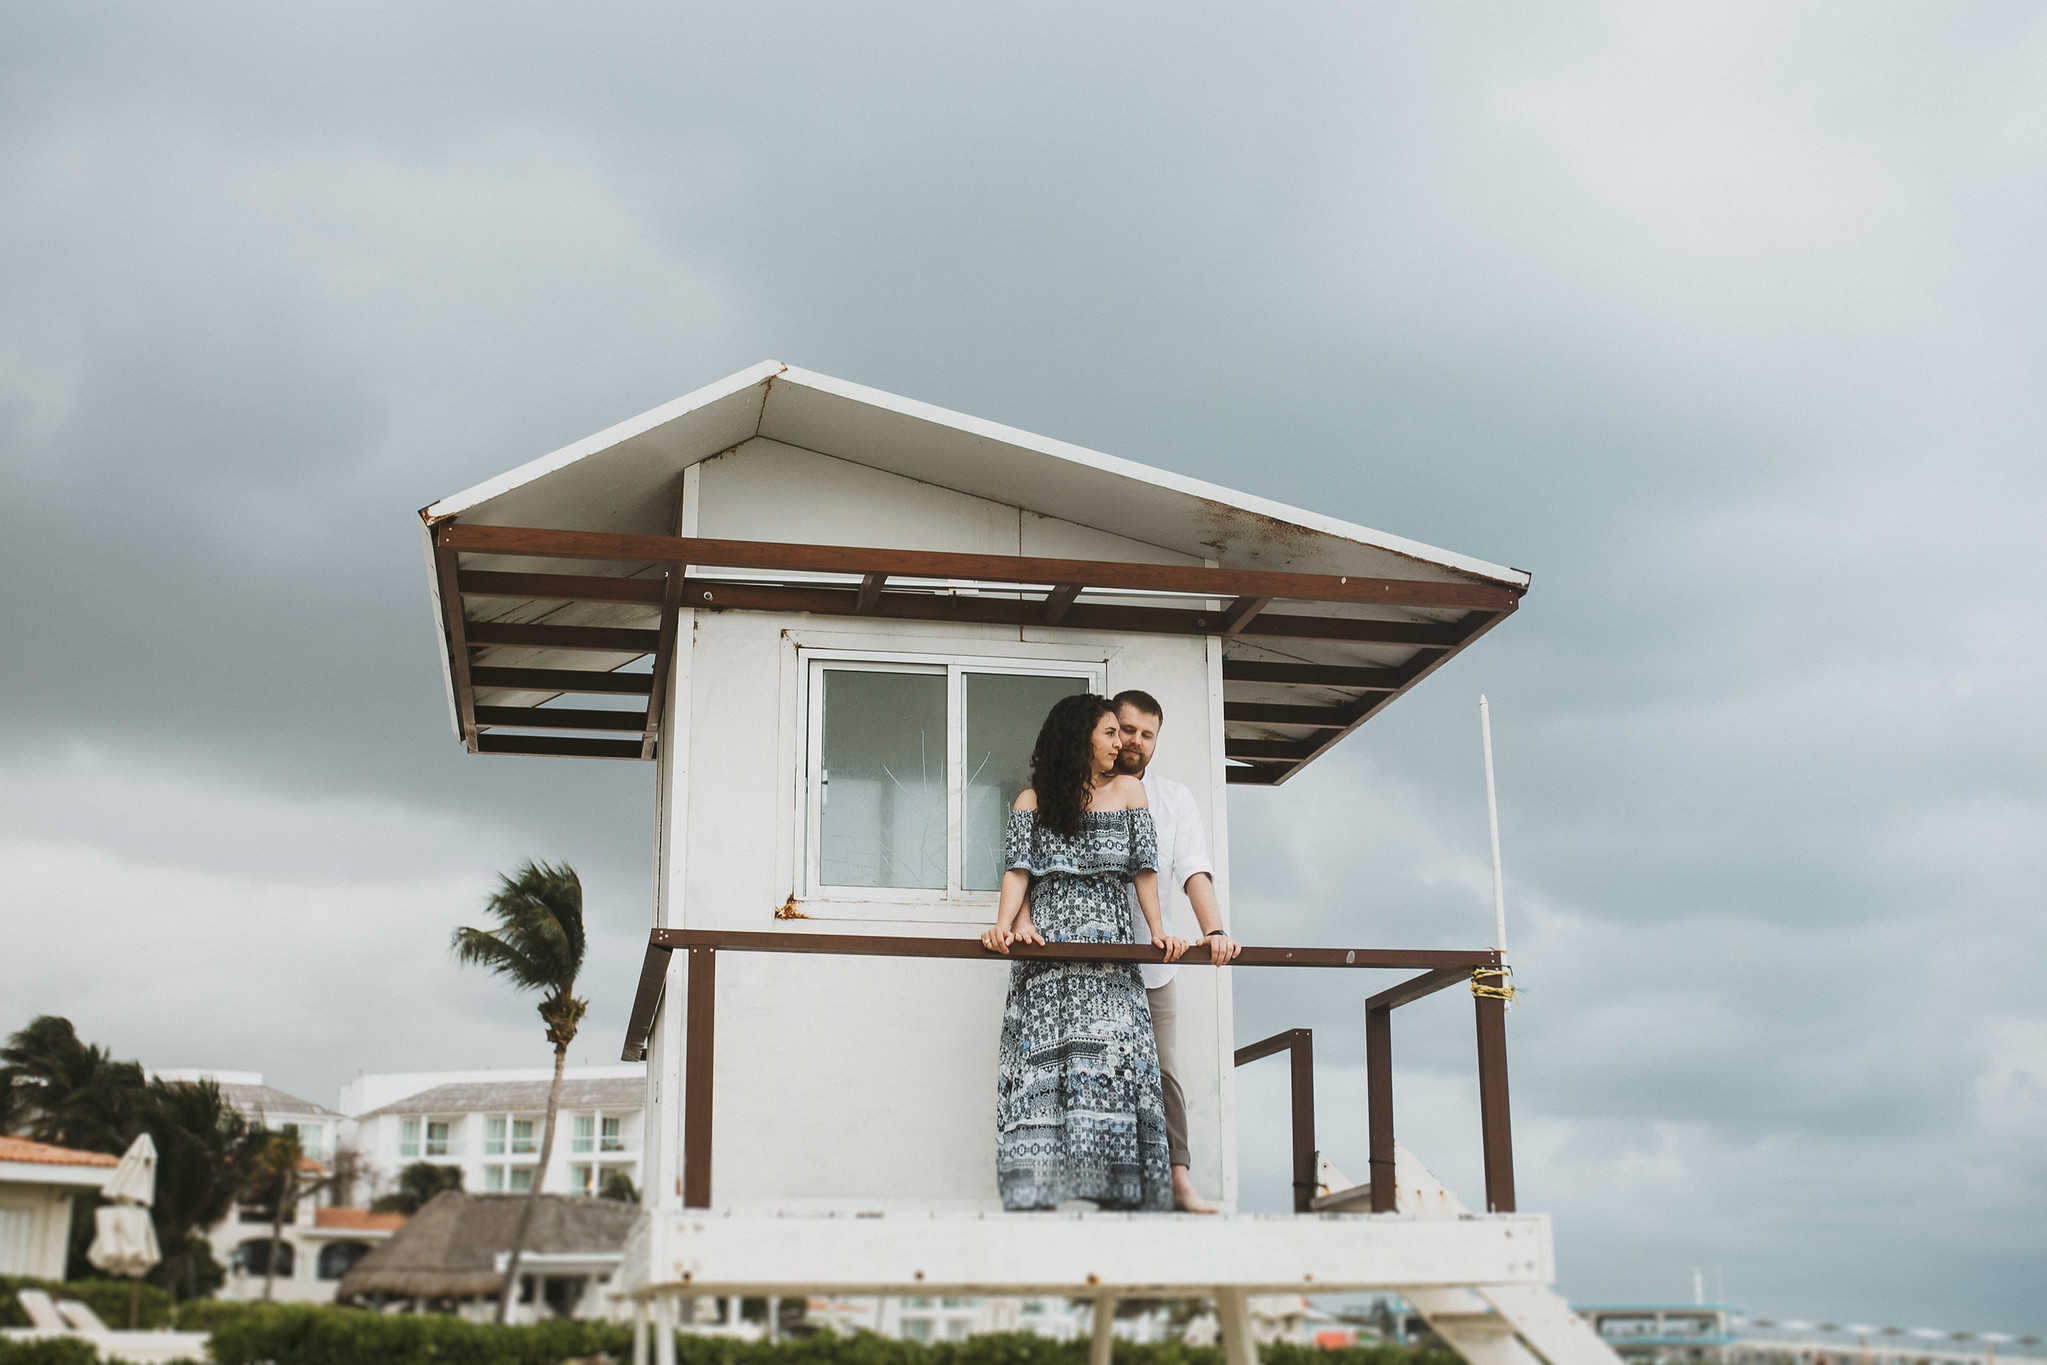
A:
{"x": 833, "y": 619}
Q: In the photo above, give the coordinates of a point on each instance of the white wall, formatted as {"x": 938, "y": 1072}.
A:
{"x": 36, "y": 1233}
{"x": 876, "y": 1076}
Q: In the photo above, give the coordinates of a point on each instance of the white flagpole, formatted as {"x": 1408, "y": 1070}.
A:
{"x": 1492, "y": 810}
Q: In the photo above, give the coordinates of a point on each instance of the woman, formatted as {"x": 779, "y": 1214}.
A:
{"x": 1078, "y": 1111}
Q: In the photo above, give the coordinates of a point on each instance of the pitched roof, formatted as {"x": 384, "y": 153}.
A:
{"x": 449, "y": 1248}
{"x": 268, "y": 1099}
{"x": 616, "y": 1094}
{"x": 358, "y": 1220}
{"x": 48, "y": 1154}
{"x": 1361, "y": 617}
{"x": 623, "y": 478}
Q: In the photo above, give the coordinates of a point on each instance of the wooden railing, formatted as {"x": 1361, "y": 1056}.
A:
{"x": 1439, "y": 969}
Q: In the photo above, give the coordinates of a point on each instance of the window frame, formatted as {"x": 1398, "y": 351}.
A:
{"x": 954, "y": 901}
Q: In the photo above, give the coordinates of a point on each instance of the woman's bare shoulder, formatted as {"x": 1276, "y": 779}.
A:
{"x": 1025, "y": 800}
{"x": 1126, "y": 793}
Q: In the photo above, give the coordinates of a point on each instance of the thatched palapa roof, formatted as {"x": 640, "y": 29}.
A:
{"x": 449, "y": 1249}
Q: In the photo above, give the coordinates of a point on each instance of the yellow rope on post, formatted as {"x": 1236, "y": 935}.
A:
{"x": 1503, "y": 991}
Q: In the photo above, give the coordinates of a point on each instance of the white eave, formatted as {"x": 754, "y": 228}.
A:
{"x": 620, "y": 479}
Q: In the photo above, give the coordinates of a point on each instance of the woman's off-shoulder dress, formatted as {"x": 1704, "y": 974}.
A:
{"x": 1078, "y": 1110}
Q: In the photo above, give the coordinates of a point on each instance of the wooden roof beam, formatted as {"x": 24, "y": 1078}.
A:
{"x": 1059, "y": 601}
{"x": 588, "y": 680}
{"x": 1313, "y": 675}
{"x": 544, "y": 543}
{"x": 541, "y": 635}
{"x": 713, "y": 595}
{"x": 561, "y": 718}
{"x": 1239, "y": 613}
{"x": 558, "y": 746}
{"x": 664, "y": 661}
{"x": 1276, "y": 713}
{"x": 447, "y": 575}
{"x": 561, "y": 587}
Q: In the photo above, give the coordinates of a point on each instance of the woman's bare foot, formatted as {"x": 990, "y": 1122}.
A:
{"x": 1184, "y": 1197}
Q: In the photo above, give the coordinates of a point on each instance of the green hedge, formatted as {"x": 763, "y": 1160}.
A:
{"x": 1019, "y": 1348}
{"x": 48, "y": 1351}
{"x": 108, "y": 1298}
{"x": 303, "y": 1335}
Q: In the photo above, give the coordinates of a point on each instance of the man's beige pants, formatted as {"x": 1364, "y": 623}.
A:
{"x": 1164, "y": 1029}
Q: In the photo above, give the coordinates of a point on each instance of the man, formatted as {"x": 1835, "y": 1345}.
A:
{"x": 1183, "y": 871}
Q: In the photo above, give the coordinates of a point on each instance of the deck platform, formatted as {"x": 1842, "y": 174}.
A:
{"x": 849, "y": 1248}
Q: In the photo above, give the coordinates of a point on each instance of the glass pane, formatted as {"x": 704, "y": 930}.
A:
{"x": 1004, "y": 711}
{"x": 882, "y": 794}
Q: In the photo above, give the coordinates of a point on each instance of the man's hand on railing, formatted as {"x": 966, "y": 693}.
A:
{"x": 1222, "y": 948}
{"x": 1176, "y": 948}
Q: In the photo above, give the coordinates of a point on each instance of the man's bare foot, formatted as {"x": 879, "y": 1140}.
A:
{"x": 1184, "y": 1197}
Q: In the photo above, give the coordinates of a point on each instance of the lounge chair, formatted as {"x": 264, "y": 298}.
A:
{"x": 42, "y": 1313}
{"x": 82, "y": 1317}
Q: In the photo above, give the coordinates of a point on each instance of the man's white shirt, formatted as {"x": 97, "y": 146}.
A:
{"x": 1183, "y": 851}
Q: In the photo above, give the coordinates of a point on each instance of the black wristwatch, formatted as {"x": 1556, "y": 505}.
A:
{"x": 1213, "y": 932}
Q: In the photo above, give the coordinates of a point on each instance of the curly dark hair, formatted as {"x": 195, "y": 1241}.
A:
{"x": 1062, "y": 770}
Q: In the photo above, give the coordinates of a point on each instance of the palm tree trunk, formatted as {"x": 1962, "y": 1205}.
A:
{"x": 554, "y": 1094}
{"x": 277, "y": 1231}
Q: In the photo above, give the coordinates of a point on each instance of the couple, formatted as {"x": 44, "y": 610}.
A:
{"x": 1087, "y": 1104}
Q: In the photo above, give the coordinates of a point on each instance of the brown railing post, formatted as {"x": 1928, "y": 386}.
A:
{"x": 1379, "y": 1106}
{"x": 1494, "y": 1124}
{"x": 1302, "y": 1059}
{"x": 700, "y": 1044}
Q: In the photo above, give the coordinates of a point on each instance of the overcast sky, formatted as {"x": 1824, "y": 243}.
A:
{"x": 1726, "y": 321}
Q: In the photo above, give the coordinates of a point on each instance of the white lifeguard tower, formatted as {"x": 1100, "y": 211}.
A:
{"x": 833, "y": 618}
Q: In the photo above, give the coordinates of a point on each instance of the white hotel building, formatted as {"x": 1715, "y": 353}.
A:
{"x": 490, "y": 1125}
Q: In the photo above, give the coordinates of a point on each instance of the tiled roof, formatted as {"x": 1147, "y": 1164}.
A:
{"x": 268, "y": 1099}
{"x": 44, "y": 1154}
{"x": 614, "y": 1094}
{"x": 358, "y": 1220}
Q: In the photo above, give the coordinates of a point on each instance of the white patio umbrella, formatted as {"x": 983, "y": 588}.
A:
{"x": 124, "y": 1241}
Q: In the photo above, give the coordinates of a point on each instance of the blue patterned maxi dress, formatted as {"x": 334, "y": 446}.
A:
{"x": 1078, "y": 1110}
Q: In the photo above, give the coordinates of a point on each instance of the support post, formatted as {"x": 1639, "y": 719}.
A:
{"x": 1379, "y": 1107}
{"x": 640, "y": 1334}
{"x": 699, "y": 1047}
{"x": 1301, "y": 1056}
{"x": 1233, "y": 1310}
{"x": 1102, "y": 1349}
{"x": 664, "y": 1330}
{"x": 1494, "y": 1124}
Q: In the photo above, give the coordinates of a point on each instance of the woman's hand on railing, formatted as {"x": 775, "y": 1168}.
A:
{"x": 996, "y": 939}
{"x": 1023, "y": 931}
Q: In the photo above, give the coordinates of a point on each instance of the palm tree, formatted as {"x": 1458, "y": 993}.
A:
{"x": 61, "y": 1089}
{"x": 205, "y": 1151}
{"x": 537, "y": 946}
{"x": 279, "y": 1176}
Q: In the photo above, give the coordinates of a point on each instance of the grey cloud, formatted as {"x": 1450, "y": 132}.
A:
{"x": 1723, "y": 322}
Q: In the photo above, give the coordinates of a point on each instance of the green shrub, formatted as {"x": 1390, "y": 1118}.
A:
{"x": 298, "y": 1334}
{"x": 108, "y": 1298}
{"x": 48, "y": 1351}
{"x": 309, "y": 1335}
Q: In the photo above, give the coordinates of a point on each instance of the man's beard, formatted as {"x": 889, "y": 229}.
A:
{"x": 1130, "y": 761}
